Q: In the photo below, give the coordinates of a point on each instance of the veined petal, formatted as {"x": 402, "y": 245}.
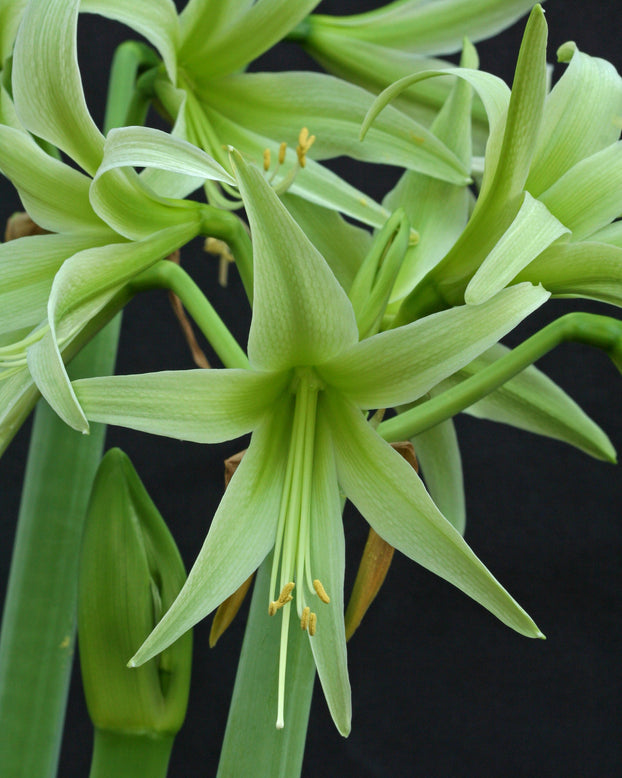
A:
{"x": 390, "y": 495}
{"x": 438, "y": 455}
{"x": 233, "y": 45}
{"x": 47, "y": 87}
{"x": 400, "y": 365}
{"x": 240, "y": 537}
{"x": 18, "y": 395}
{"x": 55, "y": 195}
{"x": 301, "y": 315}
{"x": 27, "y": 269}
{"x": 204, "y": 406}
{"x": 531, "y": 232}
{"x": 589, "y": 195}
{"x": 531, "y": 401}
{"x": 328, "y": 565}
{"x": 586, "y": 269}
{"x": 342, "y": 245}
{"x": 156, "y": 20}
{"x": 11, "y": 12}
{"x": 581, "y": 117}
{"x": 274, "y": 103}
{"x": 146, "y": 147}
{"x": 429, "y": 27}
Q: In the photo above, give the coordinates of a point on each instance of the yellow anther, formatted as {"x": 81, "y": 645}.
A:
{"x": 305, "y": 141}
{"x": 266, "y": 160}
{"x": 273, "y": 608}
{"x": 304, "y": 619}
{"x": 282, "y": 150}
{"x": 312, "y": 624}
{"x": 320, "y": 591}
{"x": 286, "y": 591}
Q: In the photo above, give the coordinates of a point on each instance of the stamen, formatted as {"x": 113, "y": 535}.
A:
{"x": 282, "y": 150}
{"x": 305, "y": 141}
{"x": 320, "y": 591}
{"x": 304, "y": 619}
{"x": 272, "y": 608}
{"x": 266, "y": 160}
{"x": 312, "y": 623}
{"x": 286, "y": 593}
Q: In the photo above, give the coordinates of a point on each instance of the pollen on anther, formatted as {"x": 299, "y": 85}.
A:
{"x": 266, "y": 160}
{"x": 320, "y": 591}
{"x": 282, "y": 150}
{"x": 273, "y": 608}
{"x": 312, "y": 623}
{"x": 304, "y": 619}
{"x": 305, "y": 141}
{"x": 286, "y": 591}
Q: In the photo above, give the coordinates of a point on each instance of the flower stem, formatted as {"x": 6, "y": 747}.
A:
{"x": 602, "y": 332}
{"x": 169, "y": 275}
{"x": 130, "y": 755}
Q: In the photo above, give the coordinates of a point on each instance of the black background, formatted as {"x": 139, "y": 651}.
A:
{"x": 440, "y": 688}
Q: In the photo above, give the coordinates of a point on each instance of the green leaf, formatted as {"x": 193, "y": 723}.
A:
{"x": 47, "y": 88}
{"x": 156, "y": 20}
{"x": 275, "y": 104}
{"x": 240, "y": 536}
{"x": 204, "y": 406}
{"x": 55, "y": 195}
{"x": 390, "y": 495}
{"x": 531, "y": 232}
{"x": 400, "y": 365}
{"x": 581, "y": 117}
{"x": 531, "y": 401}
{"x": 301, "y": 315}
{"x": 328, "y": 564}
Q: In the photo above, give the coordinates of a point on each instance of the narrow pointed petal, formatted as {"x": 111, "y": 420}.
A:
{"x": 274, "y": 103}
{"x": 47, "y": 86}
{"x": 400, "y": 365}
{"x": 531, "y": 401}
{"x": 240, "y": 536}
{"x": 156, "y": 20}
{"x": 328, "y": 565}
{"x": 532, "y": 231}
{"x": 392, "y": 498}
{"x": 204, "y": 406}
{"x": 439, "y": 455}
{"x": 11, "y": 12}
{"x": 55, "y": 195}
{"x": 586, "y": 269}
{"x": 18, "y": 395}
{"x": 301, "y": 315}
{"x": 579, "y": 117}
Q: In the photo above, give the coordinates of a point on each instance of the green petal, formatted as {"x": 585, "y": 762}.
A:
{"x": 390, "y": 495}
{"x": 82, "y": 287}
{"x": 11, "y": 12}
{"x": 611, "y": 234}
{"x": 342, "y": 245}
{"x": 47, "y": 88}
{"x": 156, "y": 20}
{"x": 532, "y": 402}
{"x": 592, "y": 270}
{"x": 240, "y": 536}
{"x": 18, "y": 395}
{"x": 301, "y": 315}
{"x": 55, "y": 195}
{"x": 438, "y": 455}
{"x": 275, "y": 103}
{"x": 27, "y": 269}
{"x": 204, "y": 406}
{"x": 531, "y": 232}
{"x": 328, "y": 565}
{"x": 428, "y": 27}
{"x": 581, "y": 117}
{"x": 232, "y": 45}
{"x": 589, "y": 195}
{"x": 400, "y": 365}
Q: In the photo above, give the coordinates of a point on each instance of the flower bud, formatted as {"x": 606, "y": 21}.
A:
{"x": 130, "y": 573}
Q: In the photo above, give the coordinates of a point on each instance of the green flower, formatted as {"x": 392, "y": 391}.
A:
{"x": 304, "y": 397}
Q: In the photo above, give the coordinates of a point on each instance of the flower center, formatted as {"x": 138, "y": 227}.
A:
{"x": 291, "y": 566}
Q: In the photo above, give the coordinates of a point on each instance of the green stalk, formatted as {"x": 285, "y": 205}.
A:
{"x": 117, "y": 755}
{"x": 602, "y": 332}
{"x": 168, "y": 275}
{"x": 38, "y": 634}
{"x": 253, "y": 746}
